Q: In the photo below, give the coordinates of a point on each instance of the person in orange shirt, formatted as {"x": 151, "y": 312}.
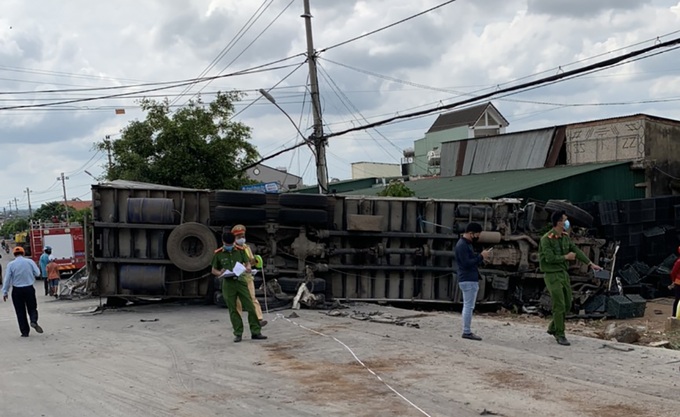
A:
{"x": 53, "y": 276}
{"x": 239, "y": 232}
{"x": 675, "y": 279}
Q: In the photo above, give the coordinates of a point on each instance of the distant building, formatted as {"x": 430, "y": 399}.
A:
{"x": 374, "y": 169}
{"x": 265, "y": 174}
{"x": 472, "y": 122}
{"x": 79, "y": 204}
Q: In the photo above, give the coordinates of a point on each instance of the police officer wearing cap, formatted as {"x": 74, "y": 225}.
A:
{"x": 20, "y": 277}
{"x": 44, "y": 260}
{"x": 239, "y": 232}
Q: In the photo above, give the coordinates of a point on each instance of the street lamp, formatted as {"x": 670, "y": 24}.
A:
{"x": 272, "y": 100}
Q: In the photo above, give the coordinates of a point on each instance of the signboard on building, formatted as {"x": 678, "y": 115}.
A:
{"x": 264, "y": 187}
{"x": 605, "y": 142}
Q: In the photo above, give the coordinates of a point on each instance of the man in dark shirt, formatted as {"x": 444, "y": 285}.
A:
{"x": 468, "y": 274}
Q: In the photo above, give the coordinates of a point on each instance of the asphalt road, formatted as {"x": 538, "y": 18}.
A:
{"x": 179, "y": 360}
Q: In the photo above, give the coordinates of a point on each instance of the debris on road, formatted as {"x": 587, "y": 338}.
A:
{"x": 661, "y": 343}
{"x": 74, "y": 288}
{"x": 619, "y": 348}
{"x": 148, "y": 320}
{"x": 622, "y": 333}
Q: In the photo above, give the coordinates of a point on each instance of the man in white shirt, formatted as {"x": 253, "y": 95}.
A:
{"x": 20, "y": 277}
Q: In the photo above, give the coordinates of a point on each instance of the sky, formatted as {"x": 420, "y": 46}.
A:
{"x": 462, "y": 49}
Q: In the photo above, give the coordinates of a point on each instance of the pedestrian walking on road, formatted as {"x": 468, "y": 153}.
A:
{"x": 20, "y": 277}
{"x": 44, "y": 260}
{"x": 239, "y": 232}
{"x": 555, "y": 250}
{"x": 468, "y": 274}
{"x": 234, "y": 286}
{"x": 53, "y": 276}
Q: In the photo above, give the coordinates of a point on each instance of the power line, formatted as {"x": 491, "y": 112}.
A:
{"x": 598, "y": 66}
{"x": 524, "y": 86}
{"x": 247, "y": 25}
{"x": 242, "y": 72}
{"x": 250, "y": 44}
{"x": 386, "y": 27}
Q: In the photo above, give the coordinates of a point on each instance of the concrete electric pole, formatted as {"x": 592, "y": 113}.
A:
{"x": 28, "y": 195}
{"x": 63, "y": 186}
{"x": 317, "y": 138}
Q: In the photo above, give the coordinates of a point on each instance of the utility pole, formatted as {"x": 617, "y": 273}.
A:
{"x": 63, "y": 186}
{"x": 16, "y": 205}
{"x": 10, "y": 207}
{"x": 28, "y": 194}
{"x": 317, "y": 138}
{"x": 107, "y": 141}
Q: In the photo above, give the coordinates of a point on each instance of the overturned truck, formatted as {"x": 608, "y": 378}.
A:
{"x": 148, "y": 240}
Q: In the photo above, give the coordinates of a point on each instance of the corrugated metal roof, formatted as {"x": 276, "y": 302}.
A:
{"x": 138, "y": 185}
{"x": 463, "y": 117}
{"x": 511, "y": 151}
{"x": 492, "y": 184}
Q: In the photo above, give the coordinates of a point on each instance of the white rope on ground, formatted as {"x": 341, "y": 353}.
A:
{"x": 279, "y": 315}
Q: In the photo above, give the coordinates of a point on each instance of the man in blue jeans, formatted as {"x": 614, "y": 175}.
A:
{"x": 468, "y": 274}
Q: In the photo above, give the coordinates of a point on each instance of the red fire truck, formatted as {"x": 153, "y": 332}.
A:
{"x": 66, "y": 240}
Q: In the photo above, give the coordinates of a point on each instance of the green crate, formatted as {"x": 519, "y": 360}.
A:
{"x": 639, "y": 305}
{"x": 620, "y": 307}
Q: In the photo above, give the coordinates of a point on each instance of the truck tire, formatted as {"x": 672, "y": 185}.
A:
{"x": 191, "y": 246}
{"x": 232, "y": 215}
{"x": 577, "y": 216}
{"x": 304, "y": 200}
{"x": 240, "y": 198}
{"x": 301, "y": 216}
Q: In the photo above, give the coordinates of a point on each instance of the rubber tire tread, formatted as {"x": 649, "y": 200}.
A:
{"x": 302, "y": 216}
{"x": 232, "y": 215}
{"x": 181, "y": 259}
{"x": 577, "y": 216}
{"x": 304, "y": 200}
{"x": 240, "y": 198}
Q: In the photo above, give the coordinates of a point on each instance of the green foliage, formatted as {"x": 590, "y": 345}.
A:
{"x": 396, "y": 188}
{"x": 13, "y": 226}
{"x": 48, "y": 211}
{"x": 196, "y": 146}
{"x": 79, "y": 215}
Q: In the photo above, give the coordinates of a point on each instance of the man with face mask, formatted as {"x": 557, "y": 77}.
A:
{"x": 235, "y": 287}
{"x": 555, "y": 251}
{"x": 468, "y": 274}
{"x": 239, "y": 232}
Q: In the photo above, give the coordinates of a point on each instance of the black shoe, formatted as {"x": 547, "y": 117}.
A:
{"x": 258, "y": 336}
{"x": 471, "y": 336}
{"x": 237, "y": 339}
{"x": 263, "y": 323}
{"x": 37, "y": 327}
{"x": 551, "y": 332}
{"x": 24, "y": 335}
{"x": 562, "y": 341}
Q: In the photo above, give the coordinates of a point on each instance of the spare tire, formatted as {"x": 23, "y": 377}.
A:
{"x": 240, "y": 198}
{"x": 233, "y": 215}
{"x": 304, "y": 200}
{"x": 191, "y": 246}
{"x": 300, "y": 216}
{"x": 577, "y": 216}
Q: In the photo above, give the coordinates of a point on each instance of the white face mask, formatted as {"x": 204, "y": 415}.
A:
{"x": 241, "y": 241}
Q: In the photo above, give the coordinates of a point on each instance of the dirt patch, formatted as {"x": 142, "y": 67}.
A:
{"x": 326, "y": 381}
{"x": 512, "y": 380}
{"x": 617, "y": 410}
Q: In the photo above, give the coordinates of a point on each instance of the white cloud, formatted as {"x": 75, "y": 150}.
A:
{"x": 464, "y": 46}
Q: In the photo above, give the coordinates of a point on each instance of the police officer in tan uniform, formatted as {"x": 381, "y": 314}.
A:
{"x": 239, "y": 232}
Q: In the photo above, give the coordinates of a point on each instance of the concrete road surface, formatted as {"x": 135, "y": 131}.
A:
{"x": 179, "y": 360}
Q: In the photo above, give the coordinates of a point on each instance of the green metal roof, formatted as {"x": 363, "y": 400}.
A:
{"x": 492, "y": 184}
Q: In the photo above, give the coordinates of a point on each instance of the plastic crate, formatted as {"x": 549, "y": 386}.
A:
{"x": 639, "y": 305}
{"x": 620, "y": 307}
{"x": 629, "y": 275}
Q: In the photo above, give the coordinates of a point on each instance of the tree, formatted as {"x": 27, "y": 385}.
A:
{"x": 12, "y": 226}
{"x": 197, "y": 146}
{"x": 53, "y": 209}
{"x": 396, "y": 188}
